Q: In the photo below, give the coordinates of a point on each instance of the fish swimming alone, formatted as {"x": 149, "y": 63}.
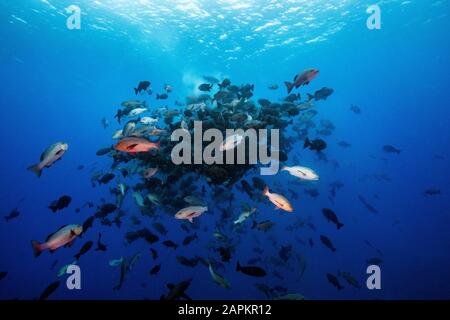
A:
{"x": 49, "y": 157}
{"x": 135, "y": 145}
{"x": 301, "y": 79}
{"x": 278, "y": 200}
{"x": 64, "y": 236}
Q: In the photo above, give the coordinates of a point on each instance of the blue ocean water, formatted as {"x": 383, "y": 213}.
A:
{"x": 57, "y": 84}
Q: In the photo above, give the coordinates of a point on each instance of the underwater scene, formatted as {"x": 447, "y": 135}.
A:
{"x": 225, "y": 150}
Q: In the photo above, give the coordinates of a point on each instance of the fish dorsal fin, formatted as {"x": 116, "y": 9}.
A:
{"x": 295, "y": 78}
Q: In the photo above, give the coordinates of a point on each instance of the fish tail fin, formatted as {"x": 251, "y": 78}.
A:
{"x": 37, "y": 248}
{"x": 36, "y": 169}
{"x": 158, "y": 96}
{"x": 238, "y": 266}
{"x": 340, "y": 225}
{"x": 307, "y": 143}
{"x": 310, "y": 97}
{"x": 266, "y": 190}
{"x": 136, "y": 91}
{"x": 289, "y": 86}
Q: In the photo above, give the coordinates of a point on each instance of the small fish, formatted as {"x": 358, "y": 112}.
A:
{"x": 278, "y": 200}
{"x": 273, "y": 87}
{"x": 155, "y": 269}
{"x": 334, "y": 281}
{"x": 221, "y": 281}
{"x": 49, "y": 157}
{"x": 321, "y": 94}
{"x": 244, "y": 215}
{"x": 206, "y": 87}
{"x": 190, "y": 213}
{"x": 84, "y": 249}
{"x": 432, "y": 192}
{"x": 3, "y": 275}
{"x": 64, "y": 236}
{"x": 106, "y": 178}
{"x": 170, "y": 244}
{"x": 391, "y": 149}
{"x": 331, "y": 216}
{"x": 163, "y": 96}
{"x": 350, "y": 279}
{"x": 100, "y": 246}
{"x": 177, "y": 291}
{"x": 154, "y": 253}
{"x": 12, "y": 215}
{"x": 253, "y": 271}
{"x": 150, "y": 172}
{"x": 135, "y": 112}
{"x": 327, "y": 243}
{"x": 63, "y": 270}
{"x": 355, "y": 109}
{"x": 303, "y": 173}
{"x": 160, "y": 228}
{"x": 148, "y": 120}
{"x": 194, "y": 201}
{"x": 49, "y": 290}
{"x": 315, "y": 145}
{"x": 189, "y": 239}
{"x": 263, "y": 226}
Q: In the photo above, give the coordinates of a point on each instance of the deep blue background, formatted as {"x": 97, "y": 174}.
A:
{"x": 57, "y": 84}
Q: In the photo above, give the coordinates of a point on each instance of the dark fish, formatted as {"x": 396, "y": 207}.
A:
{"x": 391, "y": 149}
{"x": 334, "y": 281}
{"x": 225, "y": 253}
{"x": 170, "y": 244}
{"x": 88, "y": 223}
{"x": 355, "y": 109}
{"x": 251, "y": 270}
{"x": 163, "y": 96}
{"x": 432, "y": 192}
{"x": 100, "y": 246}
{"x": 327, "y": 243}
{"x": 225, "y": 83}
{"x": 311, "y": 242}
{"x": 206, "y": 87}
{"x": 321, "y": 94}
{"x": 187, "y": 262}
{"x": 247, "y": 188}
{"x": 263, "y": 226}
{"x": 160, "y": 228}
{"x": 84, "y": 249}
{"x": 3, "y": 275}
{"x": 142, "y": 86}
{"x": 316, "y": 145}
{"x": 367, "y": 205}
{"x": 331, "y": 216}
{"x": 145, "y": 234}
{"x": 258, "y": 183}
{"x": 49, "y": 290}
{"x": 105, "y": 210}
{"x": 177, "y": 291}
{"x": 155, "y": 269}
{"x": 103, "y": 151}
{"x": 189, "y": 239}
{"x": 285, "y": 252}
{"x": 377, "y": 261}
{"x": 211, "y": 79}
{"x": 106, "y": 178}
{"x": 61, "y": 203}
{"x": 350, "y": 279}
{"x": 12, "y": 215}
{"x": 154, "y": 253}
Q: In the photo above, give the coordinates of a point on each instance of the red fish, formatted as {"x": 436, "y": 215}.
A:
{"x": 301, "y": 79}
{"x": 134, "y": 145}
